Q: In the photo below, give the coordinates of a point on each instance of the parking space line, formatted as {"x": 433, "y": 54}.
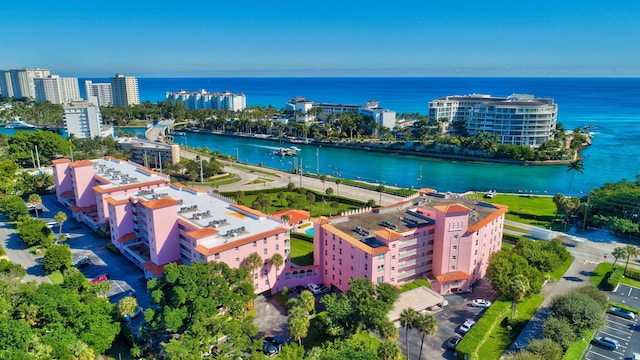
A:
{"x": 616, "y": 336}
{"x": 597, "y": 354}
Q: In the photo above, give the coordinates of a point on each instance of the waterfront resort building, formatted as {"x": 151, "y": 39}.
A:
{"x": 446, "y": 238}
{"x": 101, "y": 91}
{"x": 154, "y": 223}
{"x": 150, "y": 153}
{"x": 83, "y": 120}
{"x": 124, "y": 90}
{"x": 205, "y": 100}
{"x": 519, "y": 119}
{"x": 56, "y": 89}
{"x": 19, "y": 84}
{"x": 302, "y": 108}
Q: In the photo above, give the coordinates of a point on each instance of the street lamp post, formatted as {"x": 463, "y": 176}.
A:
{"x": 318, "y": 161}
{"x": 237, "y": 155}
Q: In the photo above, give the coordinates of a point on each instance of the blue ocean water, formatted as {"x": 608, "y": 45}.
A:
{"x": 611, "y": 105}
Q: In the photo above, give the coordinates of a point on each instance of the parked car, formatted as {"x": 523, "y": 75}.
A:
{"x": 635, "y": 356}
{"x": 100, "y": 278}
{"x": 268, "y": 348}
{"x": 317, "y": 288}
{"x": 129, "y": 317}
{"x": 464, "y": 328}
{"x": 453, "y": 342}
{"x": 81, "y": 261}
{"x": 276, "y": 341}
{"x": 481, "y": 303}
{"x": 606, "y": 342}
{"x": 622, "y": 313}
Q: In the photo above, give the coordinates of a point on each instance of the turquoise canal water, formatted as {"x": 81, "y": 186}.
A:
{"x": 610, "y": 105}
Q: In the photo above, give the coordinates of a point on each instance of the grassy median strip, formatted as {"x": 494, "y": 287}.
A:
{"x": 578, "y": 347}
{"x": 559, "y": 272}
{"x": 491, "y": 336}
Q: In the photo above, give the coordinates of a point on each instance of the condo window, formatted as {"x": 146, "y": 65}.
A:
{"x": 255, "y": 244}
{"x": 237, "y": 248}
{"x": 265, "y": 251}
{"x": 380, "y": 268}
{"x": 453, "y": 257}
{"x": 277, "y": 247}
{"x": 264, "y": 241}
{"x": 217, "y": 256}
{"x": 237, "y": 259}
{"x": 455, "y": 247}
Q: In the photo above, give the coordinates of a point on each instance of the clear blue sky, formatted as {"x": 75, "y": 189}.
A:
{"x": 323, "y": 38}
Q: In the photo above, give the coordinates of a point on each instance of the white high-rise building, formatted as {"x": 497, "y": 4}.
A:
{"x": 519, "y": 119}
{"x": 206, "y": 100}
{"x": 124, "y": 90}
{"x": 56, "y": 89}
{"x": 102, "y": 92}
{"x": 18, "y": 83}
{"x": 82, "y": 118}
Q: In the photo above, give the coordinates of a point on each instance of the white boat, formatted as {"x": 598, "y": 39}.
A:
{"x": 294, "y": 148}
{"x": 18, "y": 124}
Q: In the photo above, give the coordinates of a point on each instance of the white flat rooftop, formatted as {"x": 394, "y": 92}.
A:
{"x": 204, "y": 209}
{"x": 119, "y": 173}
{"x": 418, "y": 299}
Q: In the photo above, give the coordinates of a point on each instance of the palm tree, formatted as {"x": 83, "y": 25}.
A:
{"x": 631, "y": 252}
{"x": 407, "y": 321}
{"x": 574, "y": 166}
{"x": 251, "y": 263}
{"x": 60, "y": 218}
{"x": 518, "y": 288}
{"x": 323, "y": 178}
{"x": 380, "y": 189}
{"x": 338, "y": 182}
{"x": 426, "y": 325}
{"x": 127, "y": 306}
{"x": 618, "y": 253}
{"x": 277, "y": 261}
{"x": 35, "y": 200}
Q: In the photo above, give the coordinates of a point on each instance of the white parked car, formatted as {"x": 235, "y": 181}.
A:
{"x": 464, "y": 328}
{"x": 314, "y": 288}
{"x": 481, "y": 303}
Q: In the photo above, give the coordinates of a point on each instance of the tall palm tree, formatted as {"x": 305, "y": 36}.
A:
{"x": 252, "y": 263}
{"x": 338, "y": 182}
{"x": 574, "y": 166}
{"x": 631, "y": 252}
{"x": 35, "y": 200}
{"x": 277, "y": 261}
{"x": 60, "y": 218}
{"x": 323, "y": 178}
{"x": 518, "y": 288}
{"x": 407, "y": 321}
{"x": 618, "y": 253}
{"x": 426, "y": 325}
{"x": 380, "y": 189}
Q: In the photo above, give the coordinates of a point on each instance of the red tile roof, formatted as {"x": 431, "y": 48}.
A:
{"x": 114, "y": 202}
{"x": 156, "y": 269}
{"x": 81, "y": 163}
{"x": 295, "y": 216}
{"x": 453, "y": 208}
{"x": 453, "y": 276}
{"x": 387, "y": 234}
{"x": 200, "y": 233}
{"x": 60, "y": 161}
{"x": 67, "y": 193}
{"x": 249, "y": 210}
{"x": 232, "y": 244}
{"x": 160, "y": 203}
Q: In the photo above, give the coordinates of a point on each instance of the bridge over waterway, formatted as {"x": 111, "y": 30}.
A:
{"x": 159, "y": 130}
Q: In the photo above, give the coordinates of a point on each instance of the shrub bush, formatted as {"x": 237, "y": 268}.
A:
{"x": 633, "y": 274}
{"x": 612, "y": 279}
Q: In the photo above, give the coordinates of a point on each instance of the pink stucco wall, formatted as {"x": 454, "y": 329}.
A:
{"x": 62, "y": 179}
{"x": 163, "y": 234}
{"x": 120, "y": 221}
{"x": 83, "y": 184}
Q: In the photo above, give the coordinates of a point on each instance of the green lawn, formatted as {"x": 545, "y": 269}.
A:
{"x": 301, "y": 252}
{"x": 254, "y": 170}
{"x": 533, "y": 210}
{"x": 56, "y": 277}
{"x": 319, "y": 208}
{"x": 500, "y": 338}
{"x": 578, "y": 347}
{"x": 559, "y": 273}
{"x": 507, "y": 246}
{"x": 603, "y": 268}
{"x": 415, "y": 284}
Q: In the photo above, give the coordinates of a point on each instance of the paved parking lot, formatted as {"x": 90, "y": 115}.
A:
{"x": 449, "y": 319}
{"x": 622, "y": 330}
{"x": 627, "y": 295}
{"x": 123, "y": 275}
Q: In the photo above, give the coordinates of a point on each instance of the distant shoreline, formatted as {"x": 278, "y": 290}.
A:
{"x": 374, "y": 148}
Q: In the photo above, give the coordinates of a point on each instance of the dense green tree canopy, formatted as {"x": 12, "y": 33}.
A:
{"x": 10, "y": 271}
{"x": 504, "y": 266}
{"x": 202, "y": 302}
{"x": 34, "y": 231}
{"x": 13, "y": 207}
{"x": 50, "y": 146}
{"x": 57, "y": 257}
{"x": 580, "y": 311}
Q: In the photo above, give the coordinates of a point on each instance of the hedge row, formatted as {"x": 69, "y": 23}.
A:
{"x": 612, "y": 279}
{"x": 471, "y": 342}
{"x": 633, "y": 274}
{"x": 302, "y": 236}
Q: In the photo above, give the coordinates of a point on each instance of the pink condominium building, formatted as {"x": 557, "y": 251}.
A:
{"x": 154, "y": 223}
{"x": 446, "y": 238}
